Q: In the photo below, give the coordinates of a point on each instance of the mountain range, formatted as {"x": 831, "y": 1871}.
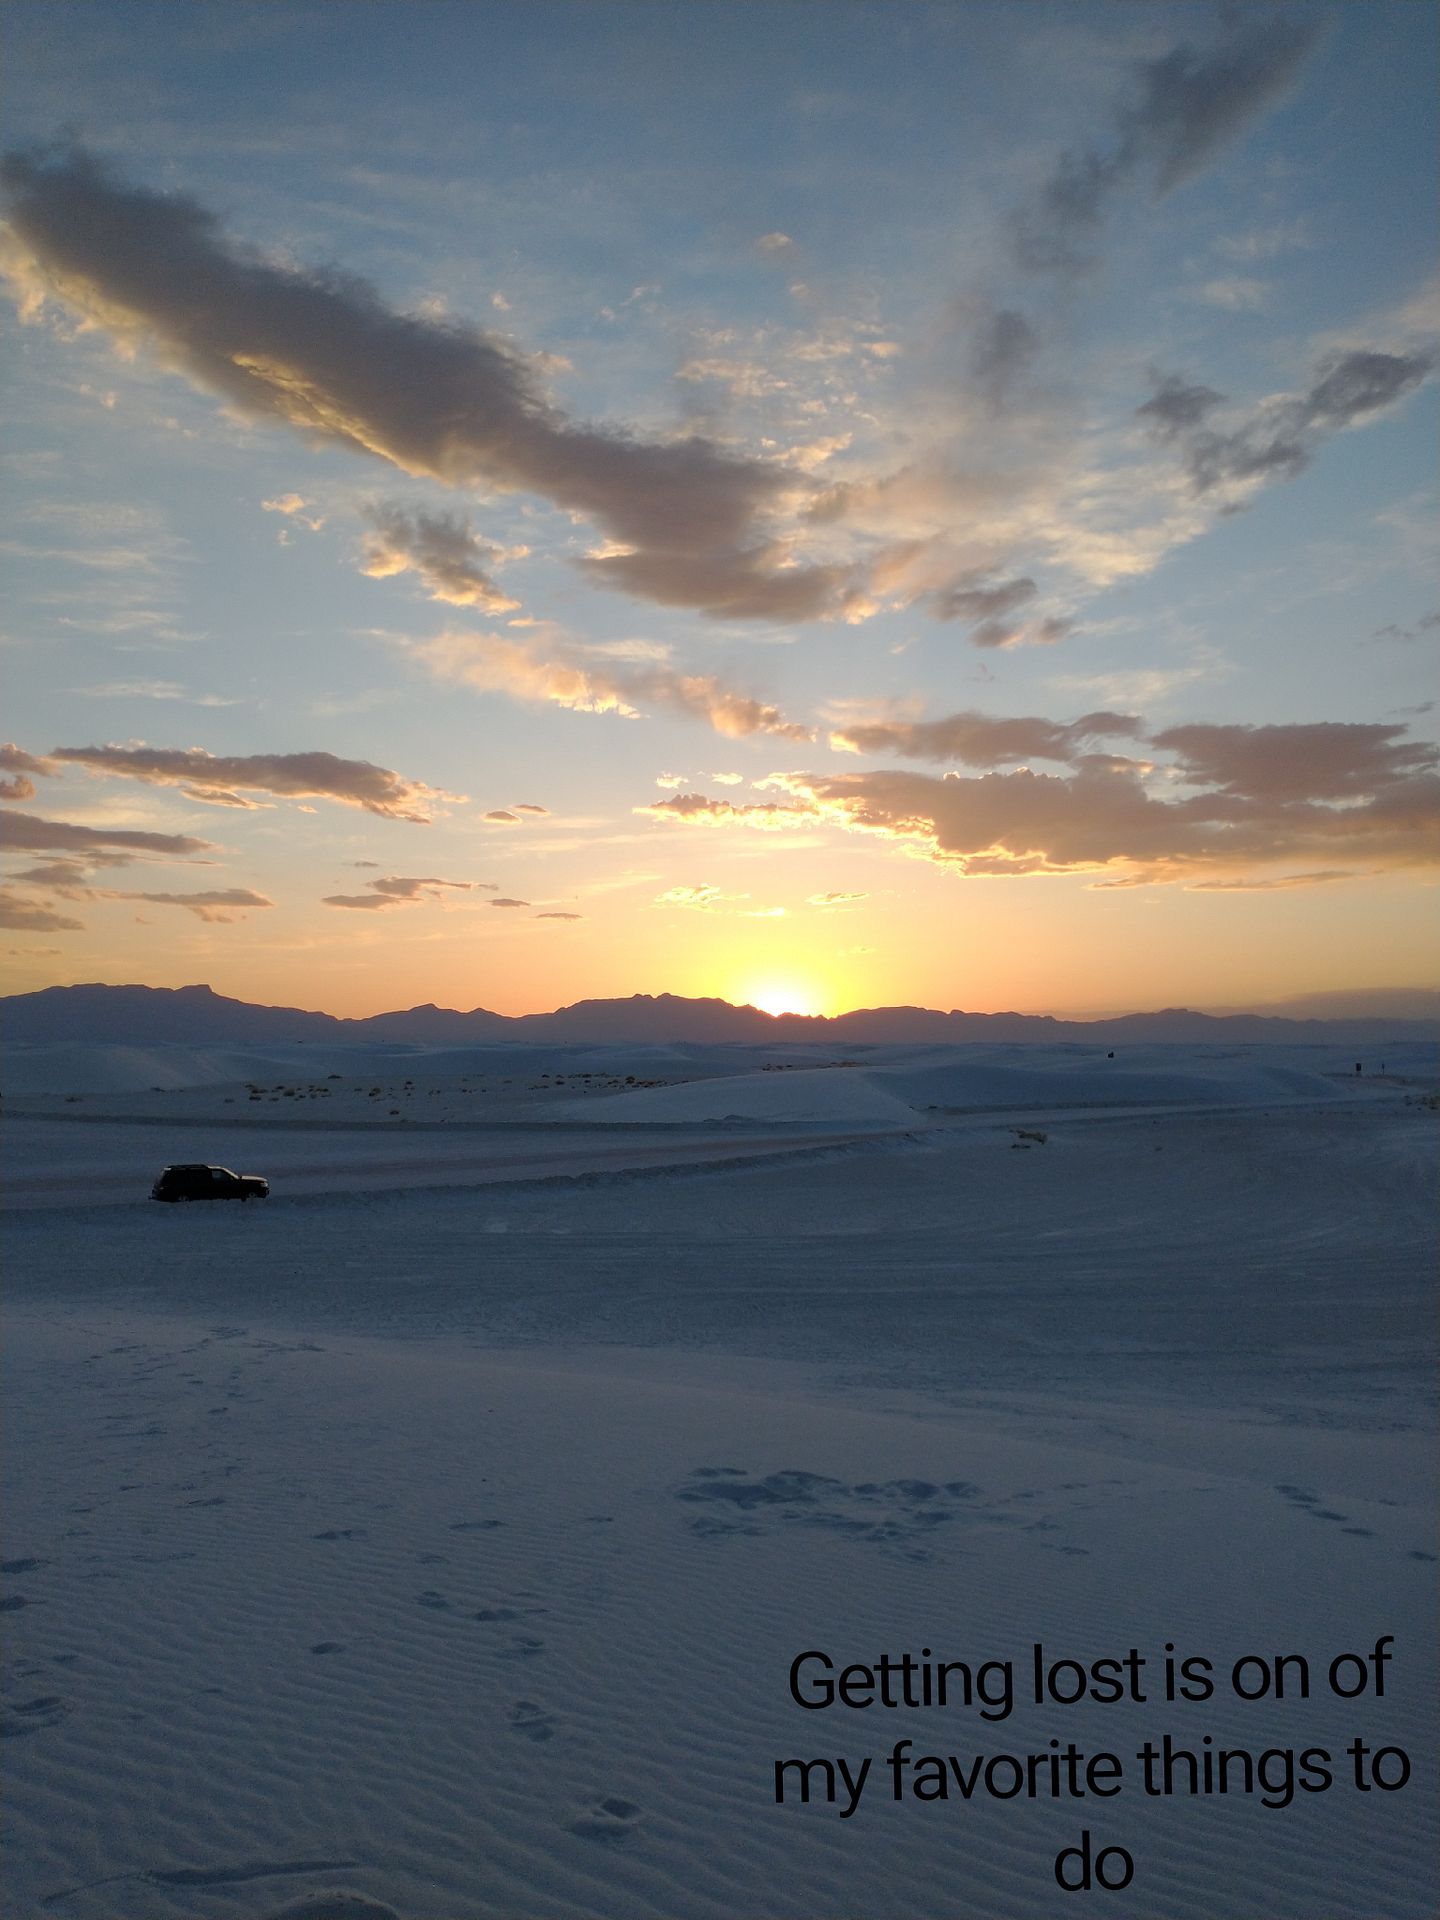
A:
{"x": 197, "y": 1016}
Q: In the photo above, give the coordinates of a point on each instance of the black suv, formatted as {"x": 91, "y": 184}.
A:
{"x": 209, "y": 1183}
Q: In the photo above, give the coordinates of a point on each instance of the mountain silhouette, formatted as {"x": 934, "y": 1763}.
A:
{"x": 197, "y": 1016}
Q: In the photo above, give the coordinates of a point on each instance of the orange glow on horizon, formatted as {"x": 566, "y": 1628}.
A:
{"x": 776, "y": 994}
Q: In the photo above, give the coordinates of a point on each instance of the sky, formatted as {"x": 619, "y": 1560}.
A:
{"x": 820, "y": 505}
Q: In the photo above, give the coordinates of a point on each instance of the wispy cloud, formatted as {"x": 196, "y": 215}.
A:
{"x": 30, "y": 831}
{"x": 225, "y": 779}
{"x": 20, "y": 765}
{"x": 983, "y": 740}
{"x": 294, "y": 506}
{"x": 590, "y": 680}
{"x": 1178, "y": 111}
{"x": 443, "y": 550}
{"x": 219, "y": 906}
{"x": 1235, "y": 293}
{"x": 1278, "y": 438}
{"x": 152, "y": 690}
{"x": 398, "y": 890}
{"x": 20, "y": 915}
{"x": 325, "y": 355}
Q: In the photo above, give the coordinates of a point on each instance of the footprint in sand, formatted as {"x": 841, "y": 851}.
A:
{"x": 531, "y": 1719}
{"x": 46, "y": 1710}
{"x": 608, "y": 1820}
{"x": 339, "y": 1905}
{"x": 1308, "y": 1503}
{"x": 897, "y": 1516}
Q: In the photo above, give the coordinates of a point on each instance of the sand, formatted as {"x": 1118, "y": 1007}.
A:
{"x": 441, "y": 1547}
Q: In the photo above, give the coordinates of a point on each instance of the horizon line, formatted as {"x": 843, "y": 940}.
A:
{"x": 1265, "y": 1010}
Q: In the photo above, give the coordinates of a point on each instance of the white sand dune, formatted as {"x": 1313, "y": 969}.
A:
{"x": 443, "y": 1553}
{"x": 923, "y": 1075}
{"x": 828, "y": 1096}
{"x": 1097, "y": 1076}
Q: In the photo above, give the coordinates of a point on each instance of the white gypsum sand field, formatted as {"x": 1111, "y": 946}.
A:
{"x": 437, "y": 1536}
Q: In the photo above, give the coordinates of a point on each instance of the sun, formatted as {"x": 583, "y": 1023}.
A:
{"x": 774, "y": 995}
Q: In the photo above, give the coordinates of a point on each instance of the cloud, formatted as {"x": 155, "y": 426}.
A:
{"x": 321, "y": 352}
{"x": 1325, "y": 760}
{"x": 1266, "y": 243}
{"x": 408, "y": 887}
{"x": 1003, "y": 348}
{"x": 746, "y": 379}
{"x": 71, "y": 873}
{"x": 1177, "y": 407}
{"x": 395, "y": 890}
{"x": 28, "y": 916}
{"x": 223, "y": 779}
{"x": 1178, "y": 112}
{"x": 217, "y": 906}
{"x": 1427, "y": 623}
{"x": 732, "y": 583}
{"x": 774, "y": 242}
{"x": 293, "y": 506}
{"x": 1234, "y": 294}
{"x": 702, "y": 899}
{"x": 699, "y": 810}
{"x": 970, "y": 599}
{"x": 529, "y": 806}
{"x": 152, "y": 690}
{"x": 1278, "y": 438}
{"x": 1261, "y": 797}
{"x": 1191, "y": 102}
{"x": 14, "y": 759}
{"x": 1283, "y": 883}
{"x": 16, "y": 762}
{"x": 835, "y": 899}
{"x": 442, "y": 549}
{"x": 559, "y": 916}
{"x": 509, "y": 903}
{"x": 708, "y": 899}
{"x": 981, "y": 740}
{"x": 587, "y": 680}
{"x": 503, "y": 816}
{"x": 28, "y": 830}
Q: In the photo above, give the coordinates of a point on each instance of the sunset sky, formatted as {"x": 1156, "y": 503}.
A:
{"x": 817, "y": 504}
